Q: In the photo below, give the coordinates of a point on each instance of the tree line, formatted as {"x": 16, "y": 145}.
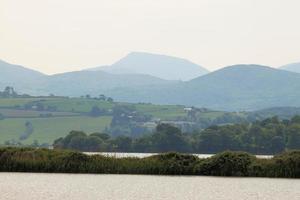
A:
{"x": 269, "y": 136}
{"x": 9, "y": 92}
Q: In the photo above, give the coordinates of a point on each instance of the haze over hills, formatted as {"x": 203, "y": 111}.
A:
{"x": 238, "y": 87}
{"x": 97, "y": 82}
{"x": 161, "y": 66}
{"x": 75, "y": 83}
{"x": 246, "y": 87}
{"x": 19, "y": 76}
{"x": 293, "y": 67}
{"x": 11, "y": 72}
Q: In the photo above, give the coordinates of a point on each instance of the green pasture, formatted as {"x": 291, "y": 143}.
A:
{"x": 13, "y": 102}
{"x": 46, "y": 130}
{"x": 16, "y": 113}
{"x": 77, "y": 104}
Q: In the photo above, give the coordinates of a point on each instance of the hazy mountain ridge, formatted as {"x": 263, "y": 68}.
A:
{"x": 161, "y": 66}
{"x": 19, "y": 77}
{"x": 238, "y": 87}
{"x": 97, "y": 82}
{"x": 293, "y": 67}
{"x": 248, "y": 87}
{"x": 74, "y": 83}
{"x": 11, "y": 72}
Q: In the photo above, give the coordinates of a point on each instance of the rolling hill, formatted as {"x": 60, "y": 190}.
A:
{"x": 245, "y": 87}
{"x": 75, "y": 83}
{"x": 161, "y": 66}
{"x": 239, "y": 87}
{"x": 294, "y": 67}
{"x": 97, "y": 82}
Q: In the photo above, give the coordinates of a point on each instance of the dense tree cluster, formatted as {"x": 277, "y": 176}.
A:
{"x": 97, "y": 112}
{"x": 224, "y": 164}
{"x": 165, "y": 138}
{"x": 202, "y": 121}
{"x": 9, "y": 92}
{"x": 101, "y": 97}
{"x": 127, "y": 121}
{"x": 268, "y": 136}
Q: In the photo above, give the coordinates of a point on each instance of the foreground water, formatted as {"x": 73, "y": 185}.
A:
{"x": 139, "y": 187}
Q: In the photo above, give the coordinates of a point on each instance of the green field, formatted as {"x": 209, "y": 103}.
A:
{"x": 164, "y": 112}
{"x": 70, "y": 106}
{"x": 12, "y": 102}
{"x": 81, "y": 105}
{"x": 46, "y": 130}
{"x": 85, "y": 105}
{"x": 15, "y": 113}
{"x": 68, "y": 114}
{"x": 77, "y": 104}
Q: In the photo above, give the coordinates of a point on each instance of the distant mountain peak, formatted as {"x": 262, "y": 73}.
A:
{"x": 161, "y": 66}
{"x": 237, "y": 87}
{"x": 153, "y": 55}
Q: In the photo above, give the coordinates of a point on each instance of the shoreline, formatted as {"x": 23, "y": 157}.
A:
{"x": 228, "y": 163}
{"x": 144, "y": 155}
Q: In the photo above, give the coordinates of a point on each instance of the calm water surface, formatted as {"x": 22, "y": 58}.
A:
{"x": 143, "y": 155}
{"x": 138, "y": 187}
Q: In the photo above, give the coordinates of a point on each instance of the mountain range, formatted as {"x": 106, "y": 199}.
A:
{"x": 238, "y": 87}
{"x": 233, "y": 88}
{"x": 161, "y": 66}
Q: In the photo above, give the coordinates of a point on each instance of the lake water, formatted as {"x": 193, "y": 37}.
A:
{"x": 139, "y": 187}
{"x": 143, "y": 155}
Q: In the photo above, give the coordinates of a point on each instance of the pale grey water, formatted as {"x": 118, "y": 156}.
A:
{"x": 138, "y": 187}
{"x": 143, "y": 155}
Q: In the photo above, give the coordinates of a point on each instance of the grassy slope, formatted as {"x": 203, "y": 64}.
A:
{"x": 49, "y": 129}
{"x": 12, "y": 102}
{"x": 84, "y": 105}
{"x": 14, "y": 113}
{"x": 243, "y": 87}
{"x": 162, "y": 111}
{"x": 77, "y": 104}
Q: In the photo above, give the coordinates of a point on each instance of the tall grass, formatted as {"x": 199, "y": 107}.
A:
{"x": 224, "y": 164}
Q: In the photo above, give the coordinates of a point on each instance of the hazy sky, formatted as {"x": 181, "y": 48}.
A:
{"x": 63, "y": 35}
